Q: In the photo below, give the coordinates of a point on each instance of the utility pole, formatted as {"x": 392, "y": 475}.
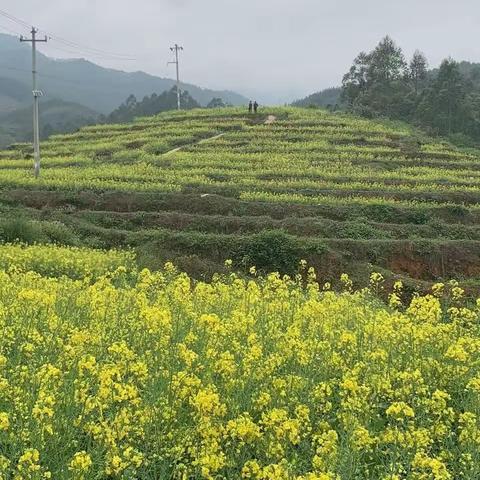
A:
{"x": 176, "y": 49}
{"x": 36, "y": 94}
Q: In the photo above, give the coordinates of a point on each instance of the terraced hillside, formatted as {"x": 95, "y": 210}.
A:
{"x": 348, "y": 195}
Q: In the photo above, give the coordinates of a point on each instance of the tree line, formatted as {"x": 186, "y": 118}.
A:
{"x": 446, "y": 101}
{"x": 154, "y": 104}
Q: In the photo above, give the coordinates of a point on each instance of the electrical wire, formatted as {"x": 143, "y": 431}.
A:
{"x": 64, "y": 50}
{"x": 82, "y": 48}
{"x": 14, "y": 19}
{"x": 93, "y": 52}
{"x": 9, "y": 30}
{"x": 88, "y": 50}
{"x": 91, "y": 55}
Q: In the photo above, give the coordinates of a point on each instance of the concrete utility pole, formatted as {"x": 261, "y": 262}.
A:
{"x": 176, "y": 49}
{"x": 36, "y": 94}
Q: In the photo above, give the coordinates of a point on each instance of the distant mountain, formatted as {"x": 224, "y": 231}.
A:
{"x": 56, "y": 116}
{"x": 13, "y": 94}
{"x": 330, "y": 97}
{"x": 76, "y": 92}
{"x": 85, "y": 83}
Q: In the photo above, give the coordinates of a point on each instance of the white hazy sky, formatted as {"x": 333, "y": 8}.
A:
{"x": 276, "y": 49}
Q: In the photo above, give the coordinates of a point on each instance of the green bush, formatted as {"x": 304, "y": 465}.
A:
{"x": 462, "y": 140}
{"x": 57, "y": 232}
{"x": 20, "y": 229}
{"x": 270, "y": 250}
{"x": 32, "y": 231}
{"x": 380, "y": 213}
{"x": 418, "y": 217}
{"x": 360, "y": 231}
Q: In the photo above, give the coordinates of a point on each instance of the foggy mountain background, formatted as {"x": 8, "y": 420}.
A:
{"x": 76, "y": 91}
{"x": 274, "y": 50}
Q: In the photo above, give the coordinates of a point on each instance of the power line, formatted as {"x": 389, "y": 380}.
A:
{"x": 14, "y": 19}
{"x": 95, "y": 56}
{"x": 36, "y": 93}
{"x": 89, "y": 50}
{"x": 60, "y": 49}
{"x": 17, "y": 33}
{"x": 9, "y": 30}
{"x": 69, "y": 43}
{"x": 176, "y": 48}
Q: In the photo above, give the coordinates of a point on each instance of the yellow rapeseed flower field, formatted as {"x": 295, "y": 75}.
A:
{"x": 141, "y": 375}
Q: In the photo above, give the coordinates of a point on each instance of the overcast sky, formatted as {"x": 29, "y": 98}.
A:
{"x": 274, "y": 49}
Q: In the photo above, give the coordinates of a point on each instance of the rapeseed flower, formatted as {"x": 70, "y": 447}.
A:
{"x": 150, "y": 375}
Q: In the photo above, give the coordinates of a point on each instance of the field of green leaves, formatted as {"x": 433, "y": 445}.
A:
{"x": 345, "y": 194}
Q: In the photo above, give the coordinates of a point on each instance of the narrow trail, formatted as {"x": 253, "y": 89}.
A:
{"x": 172, "y": 151}
{"x": 270, "y": 119}
{"x": 205, "y": 140}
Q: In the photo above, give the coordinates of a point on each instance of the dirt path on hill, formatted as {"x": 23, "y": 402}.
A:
{"x": 172, "y": 151}
{"x": 205, "y": 140}
{"x": 270, "y": 119}
{"x": 209, "y": 139}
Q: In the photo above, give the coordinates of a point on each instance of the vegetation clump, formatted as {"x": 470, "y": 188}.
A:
{"x": 444, "y": 101}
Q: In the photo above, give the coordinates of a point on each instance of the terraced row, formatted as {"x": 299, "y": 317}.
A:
{"x": 320, "y": 177}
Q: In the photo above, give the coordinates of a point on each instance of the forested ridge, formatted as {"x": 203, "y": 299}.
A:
{"x": 383, "y": 83}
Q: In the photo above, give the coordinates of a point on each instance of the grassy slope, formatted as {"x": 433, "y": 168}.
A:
{"x": 350, "y": 195}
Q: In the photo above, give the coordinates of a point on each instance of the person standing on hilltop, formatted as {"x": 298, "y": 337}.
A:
{"x": 255, "y": 106}
{"x": 250, "y": 107}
